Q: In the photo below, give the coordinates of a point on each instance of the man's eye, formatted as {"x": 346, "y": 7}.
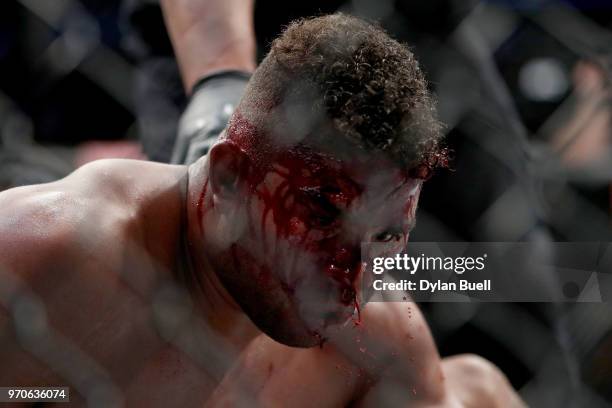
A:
{"x": 322, "y": 212}
{"x": 322, "y": 220}
{"x": 389, "y": 236}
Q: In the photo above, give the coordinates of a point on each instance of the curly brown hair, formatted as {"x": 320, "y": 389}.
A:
{"x": 368, "y": 85}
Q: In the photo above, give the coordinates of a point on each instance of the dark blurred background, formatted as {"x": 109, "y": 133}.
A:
{"x": 523, "y": 88}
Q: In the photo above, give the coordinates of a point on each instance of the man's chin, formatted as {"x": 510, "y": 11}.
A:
{"x": 304, "y": 341}
{"x": 295, "y": 335}
{"x": 305, "y": 336}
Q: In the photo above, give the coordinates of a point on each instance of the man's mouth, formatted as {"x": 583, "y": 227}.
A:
{"x": 325, "y": 293}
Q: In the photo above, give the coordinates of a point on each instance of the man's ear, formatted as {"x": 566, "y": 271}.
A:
{"x": 228, "y": 167}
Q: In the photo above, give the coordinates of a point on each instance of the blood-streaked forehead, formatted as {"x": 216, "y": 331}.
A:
{"x": 375, "y": 189}
{"x": 310, "y": 171}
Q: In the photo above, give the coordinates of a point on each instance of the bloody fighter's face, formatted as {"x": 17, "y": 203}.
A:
{"x": 287, "y": 236}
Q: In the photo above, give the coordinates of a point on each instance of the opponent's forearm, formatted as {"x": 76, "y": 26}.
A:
{"x": 210, "y": 35}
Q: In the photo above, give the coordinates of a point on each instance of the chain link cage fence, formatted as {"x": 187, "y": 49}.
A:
{"x": 523, "y": 89}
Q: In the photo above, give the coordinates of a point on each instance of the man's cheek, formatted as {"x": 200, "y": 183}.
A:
{"x": 273, "y": 218}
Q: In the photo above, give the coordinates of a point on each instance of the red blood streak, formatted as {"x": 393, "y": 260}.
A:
{"x": 357, "y": 322}
{"x": 308, "y": 198}
{"x": 320, "y": 339}
{"x": 302, "y": 192}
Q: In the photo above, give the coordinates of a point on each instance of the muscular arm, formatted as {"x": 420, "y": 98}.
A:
{"x": 390, "y": 360}
{"x": 210, "y": 35}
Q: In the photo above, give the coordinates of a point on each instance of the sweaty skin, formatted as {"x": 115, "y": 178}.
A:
{"x": 95, "y": 248}
{"x": 98, "y": 249}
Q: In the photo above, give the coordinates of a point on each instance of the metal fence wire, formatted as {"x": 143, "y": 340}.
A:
{"x": 523, "y": 89}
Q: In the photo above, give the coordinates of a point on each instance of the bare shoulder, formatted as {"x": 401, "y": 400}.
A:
{"x": 398, "y": 339}
{"x": 63, "y": 246}
{"x": 121, "y": 178}
{"x": 51, "y": 222}
{"x": 401, "y": 327}
{"x": 388, "y": 354}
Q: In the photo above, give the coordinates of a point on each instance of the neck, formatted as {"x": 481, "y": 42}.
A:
{"x": 212, "y": 300}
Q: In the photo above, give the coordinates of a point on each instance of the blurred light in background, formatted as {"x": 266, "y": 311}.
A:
{"x": 543, "y": 79}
